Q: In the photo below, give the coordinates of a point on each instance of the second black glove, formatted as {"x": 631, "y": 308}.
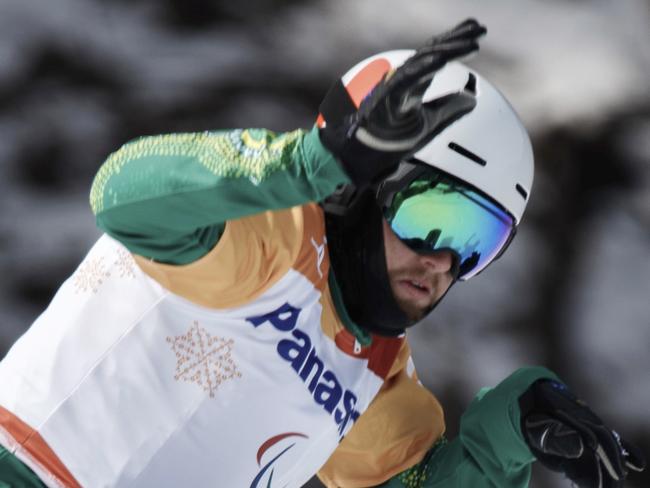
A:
{"x": 566, "y": 436}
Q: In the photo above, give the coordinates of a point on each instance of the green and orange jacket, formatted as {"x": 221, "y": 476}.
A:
{"x": 203, "y": 341}
{"x": 169, "y": 198}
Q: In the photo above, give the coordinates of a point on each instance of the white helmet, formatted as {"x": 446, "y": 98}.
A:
{"x": 464, "y": 191}
{"x": 488, "y": 148}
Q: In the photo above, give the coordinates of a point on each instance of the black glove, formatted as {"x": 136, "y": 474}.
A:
{"x": 566, "y": 436}
{"x": 392, "y": 121}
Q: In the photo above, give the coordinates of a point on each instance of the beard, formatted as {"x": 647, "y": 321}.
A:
{"x": 417, "y": 309}
{"x": 412, "y": 311}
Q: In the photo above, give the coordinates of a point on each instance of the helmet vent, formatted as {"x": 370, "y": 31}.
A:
{"x": 467, "y": 153}
{"x": 470, "y": 86}
{"x": 521, "y": 191}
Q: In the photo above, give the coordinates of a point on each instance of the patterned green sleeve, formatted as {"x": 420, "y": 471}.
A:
{"x": 490, "y": 451}
{"x": 168, "y": 197}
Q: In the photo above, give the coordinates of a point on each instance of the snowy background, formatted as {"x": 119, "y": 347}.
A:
{"x": 80, "y": 77}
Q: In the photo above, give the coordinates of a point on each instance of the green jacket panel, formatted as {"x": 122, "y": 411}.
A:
{"x": 490, "y": 451}
{"x": 168, "y": 197}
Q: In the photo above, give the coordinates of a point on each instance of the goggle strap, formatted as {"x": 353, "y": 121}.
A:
{"x": 337, "y": 104}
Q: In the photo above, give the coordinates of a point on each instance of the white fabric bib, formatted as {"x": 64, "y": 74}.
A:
{"x": 131, "y": 385}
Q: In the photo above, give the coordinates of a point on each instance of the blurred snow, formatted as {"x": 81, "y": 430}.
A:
{"x": 611, "y": 324}
{"x": 559, "y": 62}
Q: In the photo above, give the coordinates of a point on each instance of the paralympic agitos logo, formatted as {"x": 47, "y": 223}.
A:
{"x": 324, "y": 386}
{"x": 266, "y": 472}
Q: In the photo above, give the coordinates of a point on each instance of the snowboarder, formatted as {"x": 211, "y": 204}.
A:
{"x": 243, "y": 320}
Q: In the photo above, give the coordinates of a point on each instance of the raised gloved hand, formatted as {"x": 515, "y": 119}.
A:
{"x": 566, "y": 436}
{"x": 392, "y": 121}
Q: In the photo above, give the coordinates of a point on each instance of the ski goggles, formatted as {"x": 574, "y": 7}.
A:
{"x": 435, "y": 212}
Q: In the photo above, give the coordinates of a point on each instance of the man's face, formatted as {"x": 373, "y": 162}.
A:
{"x": 417, "y": 280}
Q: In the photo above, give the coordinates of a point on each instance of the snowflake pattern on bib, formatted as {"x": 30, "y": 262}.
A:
{"x": 90, "y": 275}
{"x": 125, "y": 263}
{"x": 203, "y": 359}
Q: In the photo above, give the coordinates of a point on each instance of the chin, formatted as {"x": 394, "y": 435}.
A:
{"x": 413, "y": 312}
{"x": 420, "y": 315}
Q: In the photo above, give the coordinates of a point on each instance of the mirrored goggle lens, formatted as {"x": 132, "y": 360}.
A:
{"x": 432, "y": 216}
